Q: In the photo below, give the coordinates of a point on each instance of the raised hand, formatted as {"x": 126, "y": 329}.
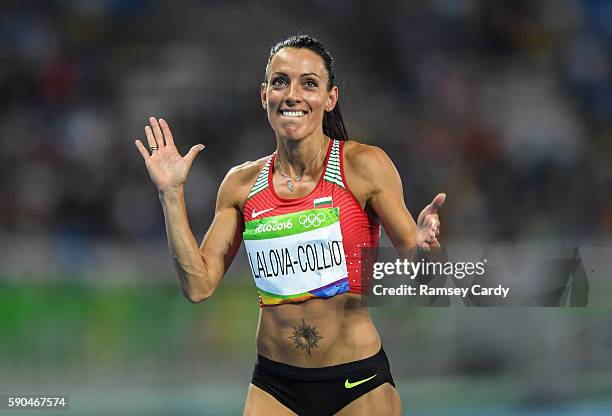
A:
{"x": 428, "y": 224}
{"x": 167, "y": 168}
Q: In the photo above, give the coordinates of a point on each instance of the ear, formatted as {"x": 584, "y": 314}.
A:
{"x": 332, "y": 99}
{"x": 264, "y": 95}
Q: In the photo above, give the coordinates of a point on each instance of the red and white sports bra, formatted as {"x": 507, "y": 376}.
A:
{"x": 308, "y": 247}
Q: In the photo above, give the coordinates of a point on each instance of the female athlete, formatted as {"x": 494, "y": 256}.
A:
{"x": 305, "y": 213}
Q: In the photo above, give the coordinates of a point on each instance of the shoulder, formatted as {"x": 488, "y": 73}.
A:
{"x": 368, "y": 170}
{"x": 364, "y": 159}
{"x": 247, "y": 172}
{"x": 239, "y": 180}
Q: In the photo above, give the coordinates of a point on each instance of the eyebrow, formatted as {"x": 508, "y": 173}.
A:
{"x": 301, "y": 76}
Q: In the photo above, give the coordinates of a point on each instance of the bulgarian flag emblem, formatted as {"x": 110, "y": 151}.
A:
{"x": 325, "y": 202}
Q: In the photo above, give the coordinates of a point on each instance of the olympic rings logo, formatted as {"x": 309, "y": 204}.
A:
{"x": 312, "y": 220}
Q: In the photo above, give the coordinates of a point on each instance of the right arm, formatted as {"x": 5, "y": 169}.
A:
{"x": 199, "y": 270}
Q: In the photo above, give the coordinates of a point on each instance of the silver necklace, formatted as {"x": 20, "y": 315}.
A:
{"x": 298, "y": 178}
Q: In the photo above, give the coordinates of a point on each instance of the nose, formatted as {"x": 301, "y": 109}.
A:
{"x": 293, "y": 94}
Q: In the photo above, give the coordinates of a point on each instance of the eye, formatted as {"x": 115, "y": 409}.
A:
{"x": 278, "y": 82}
{"x": 311, "y": 83}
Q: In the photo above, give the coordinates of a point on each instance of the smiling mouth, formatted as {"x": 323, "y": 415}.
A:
{"x": 298, "y": 113}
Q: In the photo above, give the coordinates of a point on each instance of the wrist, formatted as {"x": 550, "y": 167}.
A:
{"x": 171, "y": 193}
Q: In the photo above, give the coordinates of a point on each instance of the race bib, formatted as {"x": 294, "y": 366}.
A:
{"x": 294, "y": 257}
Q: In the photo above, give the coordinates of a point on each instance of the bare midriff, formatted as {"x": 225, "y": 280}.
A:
{"x": 318, "y": 332}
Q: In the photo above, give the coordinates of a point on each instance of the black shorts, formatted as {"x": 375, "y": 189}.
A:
{"x": 324, "y": 390}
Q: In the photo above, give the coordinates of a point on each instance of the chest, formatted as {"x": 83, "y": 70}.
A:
{"x": 292, "y": 189}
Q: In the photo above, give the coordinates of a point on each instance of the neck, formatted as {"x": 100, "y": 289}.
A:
{"x": 296, "y": 156}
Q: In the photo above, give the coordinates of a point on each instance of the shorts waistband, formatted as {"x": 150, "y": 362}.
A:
{"x": 321, "y": 373}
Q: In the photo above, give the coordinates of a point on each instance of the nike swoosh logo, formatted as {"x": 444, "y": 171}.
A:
{"x": 349, "y": 385}
{"x": 256, "y": 213}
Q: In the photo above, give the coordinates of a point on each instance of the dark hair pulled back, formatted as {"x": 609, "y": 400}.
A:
{"x": 333, "y": 124}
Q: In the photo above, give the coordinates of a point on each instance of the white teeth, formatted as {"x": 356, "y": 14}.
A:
{"x": 293, "y": 113}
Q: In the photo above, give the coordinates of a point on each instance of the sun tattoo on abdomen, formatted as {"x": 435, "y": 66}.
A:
{"x": 305, "y": 336}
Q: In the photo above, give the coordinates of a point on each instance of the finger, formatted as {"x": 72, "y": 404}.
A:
{"x": 438, "y": 200}
{"x": 432, "y": 208}
{"x": 430, "y": 221}
{"x": 159, "y": 137}
{"x": 427, "y": 211}
{"x": 150, "y": 138}
{"x": 193, "y": 152}
{"x": 423, "y": 214}
{"x": 166, "y": 130}
{"x": 431, "y": 236}
{"x": 142, "y": 149}
{"x": 435, "y": 223}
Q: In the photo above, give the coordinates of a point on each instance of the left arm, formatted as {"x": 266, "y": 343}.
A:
{"x": 376, "y": 183}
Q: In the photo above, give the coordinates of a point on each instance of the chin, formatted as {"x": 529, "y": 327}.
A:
{"x": 292, "y": 134}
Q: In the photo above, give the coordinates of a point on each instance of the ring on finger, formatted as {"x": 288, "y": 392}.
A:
{"x": 153, "y": 148}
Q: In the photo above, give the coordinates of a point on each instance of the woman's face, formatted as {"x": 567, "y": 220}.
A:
{"x": 296, "y": 95}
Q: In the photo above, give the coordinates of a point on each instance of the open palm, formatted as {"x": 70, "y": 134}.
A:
{"x": 166, "y": 167}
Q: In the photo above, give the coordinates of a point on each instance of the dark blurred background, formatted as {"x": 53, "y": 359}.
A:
{"x": 506, "y": 106}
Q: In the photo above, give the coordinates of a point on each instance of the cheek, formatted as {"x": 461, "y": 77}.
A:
{"x": 317, "y": 102}
{"x": 273, "y": 97}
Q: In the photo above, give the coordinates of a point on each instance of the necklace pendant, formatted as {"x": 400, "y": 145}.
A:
{"x": 290, "y": 185}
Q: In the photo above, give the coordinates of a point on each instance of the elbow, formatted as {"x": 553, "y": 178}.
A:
{"x": 197, "y": 296}
{"x": 198, "y": 286}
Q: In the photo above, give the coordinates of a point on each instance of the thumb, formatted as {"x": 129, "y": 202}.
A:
{"x": 193, "y": 152}
{"x": 438, "y": 200}
{"x": 432, "y": 208}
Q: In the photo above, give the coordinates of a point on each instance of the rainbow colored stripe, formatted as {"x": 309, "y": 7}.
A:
{"x": 332, "y": 289}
